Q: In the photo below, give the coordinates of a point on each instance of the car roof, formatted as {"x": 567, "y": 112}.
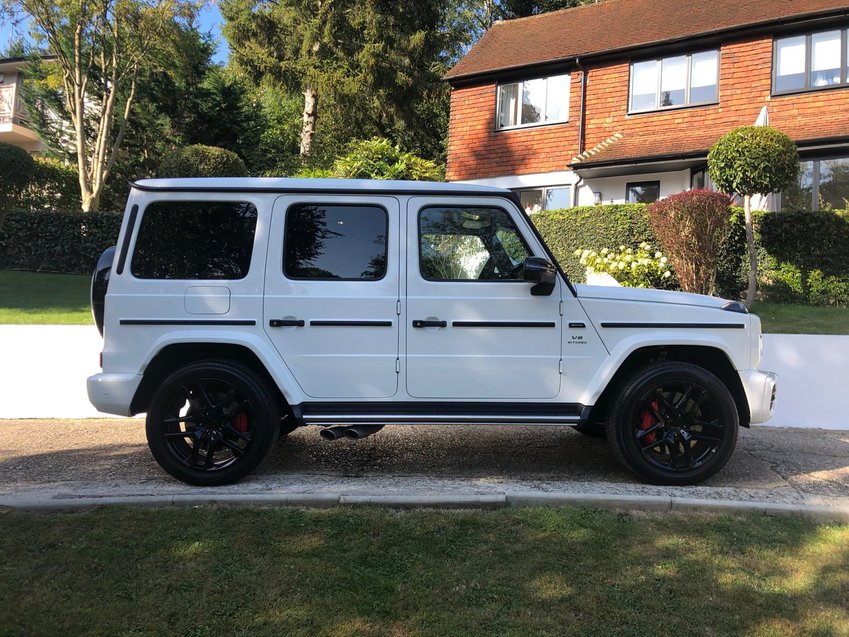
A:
{"x": 342, "y": 186}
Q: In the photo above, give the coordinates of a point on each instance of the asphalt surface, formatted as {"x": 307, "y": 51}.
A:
{"x": 67, "y": 463}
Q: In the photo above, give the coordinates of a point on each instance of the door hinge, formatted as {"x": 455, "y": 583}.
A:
{"x": 560, "y": 367}
{"x": 397, "y": 365}
{"x": 561, "y": 308}
{"x": 398, "y": 307}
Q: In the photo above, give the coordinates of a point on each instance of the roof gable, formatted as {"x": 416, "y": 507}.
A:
{"x": 613, "y": 25}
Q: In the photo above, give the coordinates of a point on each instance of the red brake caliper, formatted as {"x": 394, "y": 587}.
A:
{"x": 647, "y": 422}
{"x": 241, "y": 422}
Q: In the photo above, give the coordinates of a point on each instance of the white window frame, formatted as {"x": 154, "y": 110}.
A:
{"x": 518, "y": 106}
{"x": 687, "y": 86}
{"x": 545, "y": 190}
{"x": 844, "y": 62}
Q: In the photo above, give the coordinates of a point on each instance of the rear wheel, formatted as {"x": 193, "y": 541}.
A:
{"x": 673, "y": 423}
{"x": 212, "y": 423}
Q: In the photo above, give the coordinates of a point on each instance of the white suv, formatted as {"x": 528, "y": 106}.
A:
{"x": 235, "y": 310}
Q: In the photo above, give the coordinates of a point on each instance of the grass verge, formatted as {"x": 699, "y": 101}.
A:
{"x": 36, "y": 298}
{"x": 242, "y": 571}
{"x": 781, "y": 318}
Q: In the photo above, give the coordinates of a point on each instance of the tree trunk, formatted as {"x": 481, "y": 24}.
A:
{"x": 753, "y": 255}
{"x": 308, "y": 125}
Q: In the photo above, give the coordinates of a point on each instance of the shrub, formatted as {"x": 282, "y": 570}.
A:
{"x": 753, "y": 160}
{"x": 198, "y": 160}
{"x": 47, "y": 241}
{"x": 16, "y": 171}
{"x": 640, "y": 268}
{"x": 54, "y": 186}
{"x": 691, "y": 227}
{"x": 379, "y": 158}
{"x": 592, "y": 227}
{"x": 805, "y": 256}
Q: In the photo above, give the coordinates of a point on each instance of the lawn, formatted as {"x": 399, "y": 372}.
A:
{"x": 253, "y": 571}
{"x": 34, "y": 298}
{"x": 63, "y": 299}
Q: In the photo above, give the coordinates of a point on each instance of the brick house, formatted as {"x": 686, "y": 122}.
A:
{"x": 621, "y": 100}
{"x": 14, "y": 127}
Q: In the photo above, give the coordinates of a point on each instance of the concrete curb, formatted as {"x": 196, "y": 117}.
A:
{"x": 487, "y": 501}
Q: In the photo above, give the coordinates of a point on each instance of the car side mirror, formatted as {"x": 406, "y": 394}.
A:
{"x": 542, "y": 272}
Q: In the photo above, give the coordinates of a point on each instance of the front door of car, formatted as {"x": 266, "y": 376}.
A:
{"x": 473, "y": 328}
{"x": 332, "y": 293}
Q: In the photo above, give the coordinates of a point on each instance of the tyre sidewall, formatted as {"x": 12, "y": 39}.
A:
{"x": 264, "y": 424}
{"x": 620, "y": 425}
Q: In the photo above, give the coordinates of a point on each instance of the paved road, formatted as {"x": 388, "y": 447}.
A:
{"x": 70, "y": 459}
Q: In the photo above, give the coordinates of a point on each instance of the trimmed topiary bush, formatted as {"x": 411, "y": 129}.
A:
{"x": 198, "y": 160}
{"x": 16, "y": 171}
{"x": 691, "y": 227}
{"x": 753, "y": 160}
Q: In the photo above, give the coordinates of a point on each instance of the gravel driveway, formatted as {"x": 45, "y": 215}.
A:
{"x": 65, "y": 459}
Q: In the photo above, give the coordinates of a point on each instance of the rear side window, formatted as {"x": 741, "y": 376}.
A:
{"x": 195, "y": 240}
{"x": 338, "y": 242}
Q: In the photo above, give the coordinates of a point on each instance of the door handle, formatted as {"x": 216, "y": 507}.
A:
{"x": 286, "y": 323}
{"x": 420, "y": 323}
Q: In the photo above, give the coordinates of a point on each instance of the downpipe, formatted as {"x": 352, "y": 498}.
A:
{"x": 349, "y": 431}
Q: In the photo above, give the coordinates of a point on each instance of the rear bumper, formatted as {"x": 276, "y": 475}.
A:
{"x": 113, "y": 393}
{"x": 760, "y": 389}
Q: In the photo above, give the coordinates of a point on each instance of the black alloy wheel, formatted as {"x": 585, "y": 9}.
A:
{"x": 674, "y": 424}
{"x": 212, "y": 423}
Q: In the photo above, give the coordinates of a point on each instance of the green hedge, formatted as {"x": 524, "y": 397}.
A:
{"x": 592, "y": 227}
{"x": 56, "y": 241}
{"x": 804, "y": 257}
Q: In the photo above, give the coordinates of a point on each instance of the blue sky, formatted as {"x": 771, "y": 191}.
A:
{"x": 209, "y": 20}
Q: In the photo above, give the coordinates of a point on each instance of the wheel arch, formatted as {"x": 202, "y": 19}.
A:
{"x": 172, "y": 357}
{"x": 712, "y": 359}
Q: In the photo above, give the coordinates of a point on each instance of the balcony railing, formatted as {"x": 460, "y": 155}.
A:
{"x": 10, "y": 108}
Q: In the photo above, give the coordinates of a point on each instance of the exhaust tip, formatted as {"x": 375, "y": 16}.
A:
{"x": 332, "y": 433}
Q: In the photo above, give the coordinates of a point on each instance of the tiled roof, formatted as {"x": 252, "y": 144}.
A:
{"x": 613, "y": 25}
{"x": 632, "y": 148}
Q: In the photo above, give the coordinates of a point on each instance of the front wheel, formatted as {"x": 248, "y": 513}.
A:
{"x": 673, "y": 424}
{"x": 212, "y": 423}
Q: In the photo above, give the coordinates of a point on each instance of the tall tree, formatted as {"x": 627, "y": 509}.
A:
{"x": 100, "y": 47}
{"x": 373, "y": 67}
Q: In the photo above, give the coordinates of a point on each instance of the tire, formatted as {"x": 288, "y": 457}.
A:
{"x": 212, "y": 423}
{"x": 673, "y": 424}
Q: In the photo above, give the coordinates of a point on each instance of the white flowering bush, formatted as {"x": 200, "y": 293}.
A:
{"x": 644, "y": 267}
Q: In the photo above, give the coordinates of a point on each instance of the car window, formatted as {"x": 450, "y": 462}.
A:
{"x": 195, "y": 240}
{"x": 470, "y": 244}
{"x": 328, "y": 241}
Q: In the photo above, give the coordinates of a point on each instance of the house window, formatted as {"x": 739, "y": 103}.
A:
{"x": 642, "y": 192}
{"x": 540, "y": 101}
{"x": 671, "y": 82}
{"x": 810, "y": 62}
{"x": 822, "y": 184}
{"x": 549, "y": 198}
{"x": 700, "y": 179}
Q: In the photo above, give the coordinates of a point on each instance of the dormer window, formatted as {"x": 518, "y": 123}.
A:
{"x": 544, "y": 100}
{"x": 673, "y": 82}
